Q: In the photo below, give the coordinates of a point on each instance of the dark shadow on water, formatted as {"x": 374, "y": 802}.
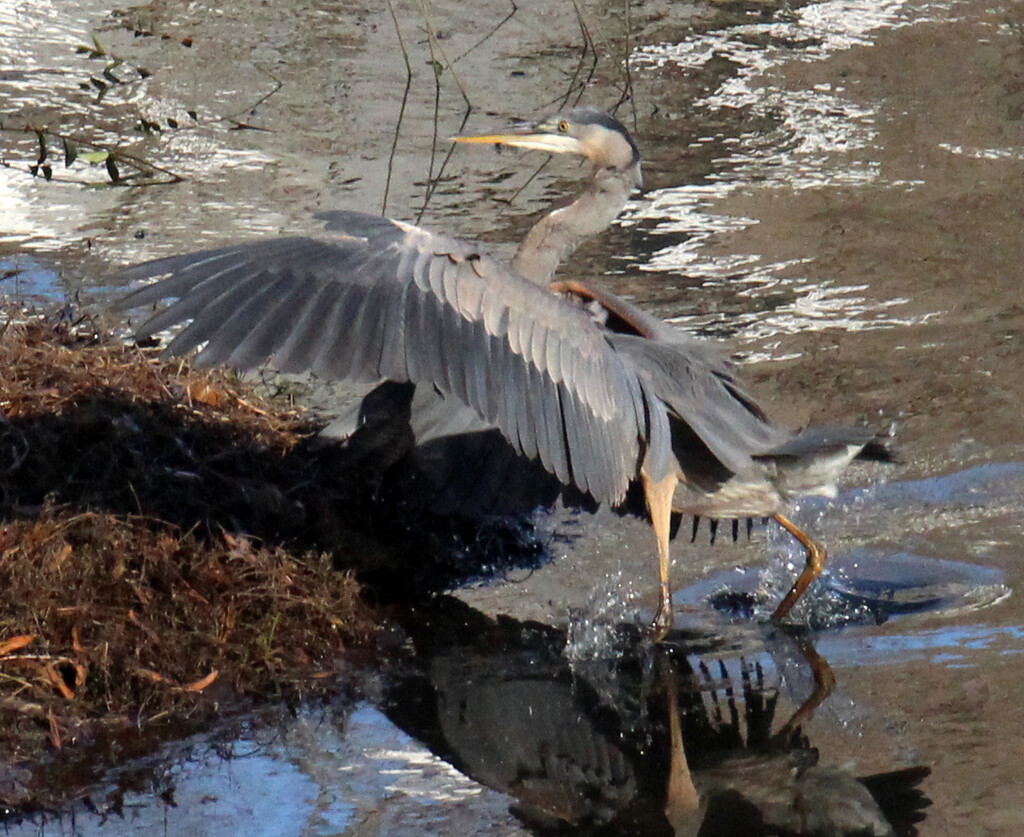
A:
{"x": 654, "y": 740}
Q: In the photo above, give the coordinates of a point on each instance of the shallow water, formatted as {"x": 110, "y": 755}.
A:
{"x": 837, "y": 187}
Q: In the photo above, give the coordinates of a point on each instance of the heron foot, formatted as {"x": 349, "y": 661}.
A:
{"x": 663, "y": 620}
{"x": 815, "y": 563}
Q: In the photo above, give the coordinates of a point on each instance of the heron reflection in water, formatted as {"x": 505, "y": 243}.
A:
{"x": 601, "y": 394}
{"x": 672, "y": 740}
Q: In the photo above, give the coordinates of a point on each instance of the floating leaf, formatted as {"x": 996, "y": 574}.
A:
{"x": 41, "y": 136}
{"x": 47, "y": 172}
{"x": 172, "y": 123}
{"x": 95, "y": 156}
{"x": 70, "y": 151}
{"x": 115, "y": 175}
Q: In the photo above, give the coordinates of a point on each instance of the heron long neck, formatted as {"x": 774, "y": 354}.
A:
{"x": 558, "y": 233}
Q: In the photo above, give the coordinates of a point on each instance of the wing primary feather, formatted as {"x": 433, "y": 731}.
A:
{"x": 366, "y": 336}
{"x": 204, "y": 275}
{"x": 556, "y": 435}
{"x": 519, "y": 384}
{"x": 299, "y": 352}
{"x": 569, "y": 406}
{"x": 506, "y": 404}
{"x": 269, "y": 326}
{"x": 430, "y": 343}
{"x": 454, "y": 351}
{"x": 193, "y": 301}
{"x": 187, "y": 275}
{"x": 335, "y": 359}
{"x": 586, "y": 430}
{"x": 539, "y": 404}
{"x": 417, "y": 367}
{"x": 391, "y": 360}
{"x": 477, "y": 363}
{"x": 223, "y": 322}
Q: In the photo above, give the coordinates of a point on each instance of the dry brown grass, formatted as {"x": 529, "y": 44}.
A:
{"x": 127, "y": 591}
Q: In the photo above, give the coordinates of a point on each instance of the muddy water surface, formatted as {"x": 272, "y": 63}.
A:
{"x": 836, "y": 187}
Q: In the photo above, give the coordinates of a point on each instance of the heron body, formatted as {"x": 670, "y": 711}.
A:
{"x": 598, "y": 392}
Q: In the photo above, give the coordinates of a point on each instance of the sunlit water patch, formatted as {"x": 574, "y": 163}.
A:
{"x": 1015, "y": 152}
{"x": 315, "y": 773}
{"x": 866, "y": 584}
{"x": 87, "y": 108}
{"x": 818, "y": 137}
{"x": 25, "y": 279}
{"x": 860, "y": 587}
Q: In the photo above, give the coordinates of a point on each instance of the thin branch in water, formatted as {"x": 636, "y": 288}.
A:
{"x": 529, "y": 180}
{"x": 113, "y": 156}
{"x": 576, "y": 85}
{"x": 431, "y": 181}
{"x": 434, "y": 42}
{"x": 401, "y": 110}
{"x": 231, "y": 117}
{"x": 439, "y": 68}
{"x": 490, "y": 34}
{"x": 627, "y": 93}
{"x": 434, "y": 181}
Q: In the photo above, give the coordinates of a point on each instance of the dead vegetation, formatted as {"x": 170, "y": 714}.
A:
{"x": 129, "y": 594}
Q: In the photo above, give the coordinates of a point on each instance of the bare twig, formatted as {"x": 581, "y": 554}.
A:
{"x": 490, "y": 34}
{"x": 231, "y": 117}
{"x": 143, "y": 166}
{"x": 401, "y": 110}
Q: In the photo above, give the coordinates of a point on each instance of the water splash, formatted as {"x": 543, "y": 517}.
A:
{"x": 596, "y": 629}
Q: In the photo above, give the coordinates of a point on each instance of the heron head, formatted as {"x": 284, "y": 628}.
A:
{"x": 586, "y": 131}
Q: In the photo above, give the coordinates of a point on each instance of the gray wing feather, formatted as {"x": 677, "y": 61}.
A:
{"x": 335, "y": 359}
{"x": 258, "y": 335}
{"x": 700, "y": 390}
{"x": 385, "y": 300}
{"x": 302, "y": 346}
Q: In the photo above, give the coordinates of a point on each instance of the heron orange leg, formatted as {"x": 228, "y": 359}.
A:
{"x": 682, "y": 802}
{"x": 824, "y": 685}
{"x": 658, "y": 496}
{"x": 815, "y": 563}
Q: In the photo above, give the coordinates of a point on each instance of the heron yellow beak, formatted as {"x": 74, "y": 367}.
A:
{"x": 552, "y": 143}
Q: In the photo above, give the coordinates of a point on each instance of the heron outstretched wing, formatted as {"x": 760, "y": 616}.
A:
{"x": 690, "y": 377}
{"x": 378, "y": 299}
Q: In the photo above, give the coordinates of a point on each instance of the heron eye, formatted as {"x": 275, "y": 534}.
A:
{"x": 563, "y": 126}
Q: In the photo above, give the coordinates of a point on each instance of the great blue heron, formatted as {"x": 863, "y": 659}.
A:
{"x": 602, "y": 394}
